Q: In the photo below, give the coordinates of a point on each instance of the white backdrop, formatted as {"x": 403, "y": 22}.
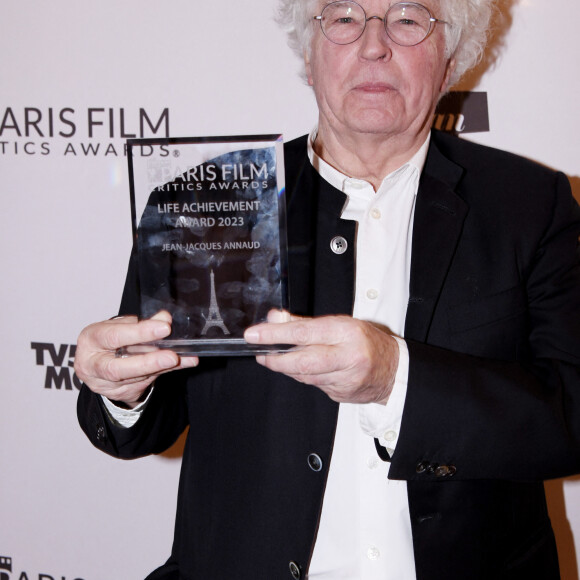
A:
{"x": 83, "y": 75}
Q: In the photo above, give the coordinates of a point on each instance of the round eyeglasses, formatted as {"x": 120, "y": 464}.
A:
{"x": 406, "y": 23}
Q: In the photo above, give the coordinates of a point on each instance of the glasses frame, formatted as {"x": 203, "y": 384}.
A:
{"x": 432, "y": 21}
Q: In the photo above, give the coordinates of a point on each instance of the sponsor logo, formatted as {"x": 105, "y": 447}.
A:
{"x": 6, "y": 573}
{"x": 6, "y": 565}
{"x": 462, "y": 112}
{"x": 58, "y": 361}
{"x": 73, "y": 132}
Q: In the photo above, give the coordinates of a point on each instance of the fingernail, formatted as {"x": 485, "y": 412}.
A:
{"x": 276, "y": 316}
{"x": 189, "y": 361}
{"x": 161, "y": 330}
{"x": 251, "y": 335}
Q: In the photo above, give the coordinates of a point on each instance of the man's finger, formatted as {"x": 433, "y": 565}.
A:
{"x": 278, "y": 316}
{"x": 327, "y": 330}
{"x": 109, "y": 367}
{"x": 121, "y": 332}
{"x": 311, "y": 361}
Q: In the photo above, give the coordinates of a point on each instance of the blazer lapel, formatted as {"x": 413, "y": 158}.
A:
{"x": 439, "y": 217}
{"x": 314, "y": 209}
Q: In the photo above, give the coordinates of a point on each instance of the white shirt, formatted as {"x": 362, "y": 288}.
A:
{"x": 365, "y": 528}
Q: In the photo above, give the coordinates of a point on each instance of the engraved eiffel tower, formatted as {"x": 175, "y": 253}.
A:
{"x": 213, "y": 318}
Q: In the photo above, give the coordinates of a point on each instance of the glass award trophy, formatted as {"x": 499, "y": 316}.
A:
{"x": 209, "y": 229}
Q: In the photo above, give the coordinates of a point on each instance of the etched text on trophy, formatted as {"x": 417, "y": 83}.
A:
{"x": 209, "y": 243}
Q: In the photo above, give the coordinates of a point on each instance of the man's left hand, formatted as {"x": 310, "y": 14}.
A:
{"x": 352, "y": 361}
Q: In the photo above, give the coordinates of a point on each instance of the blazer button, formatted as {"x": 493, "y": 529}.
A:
{"x": 445, "y": 471}
{"x": 338, "y": 245}
{"x": 295, "y": 570}
{"x": 422, "y": 467}
{"x": 314, "y": 462}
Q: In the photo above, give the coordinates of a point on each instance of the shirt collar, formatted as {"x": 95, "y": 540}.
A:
{"x": 340, "y": 181}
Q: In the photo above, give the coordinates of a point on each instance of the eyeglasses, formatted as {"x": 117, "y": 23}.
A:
{"x": 406, "y": 23}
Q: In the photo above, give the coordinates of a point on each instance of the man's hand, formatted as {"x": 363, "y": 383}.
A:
{"x": 350, "y": 360}
{"x": 125, "y": 379}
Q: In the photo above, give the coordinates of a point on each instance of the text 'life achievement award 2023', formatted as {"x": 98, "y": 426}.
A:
{"x": 209, "y": 228}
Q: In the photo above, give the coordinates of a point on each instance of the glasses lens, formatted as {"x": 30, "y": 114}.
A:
{"x": 408, "y": 24}
{"x": 343, "y": 22}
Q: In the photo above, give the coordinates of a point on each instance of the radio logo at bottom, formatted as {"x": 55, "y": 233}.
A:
{"x": 5, "y": 566}
{"x": 6, "y": 572}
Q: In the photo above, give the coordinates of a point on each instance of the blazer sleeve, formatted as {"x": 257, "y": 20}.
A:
{"x": 469, "y": 416}
{"x": 163, "y": 419}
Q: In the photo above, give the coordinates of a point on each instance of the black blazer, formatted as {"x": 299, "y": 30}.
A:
{"x": 493, "y": 328}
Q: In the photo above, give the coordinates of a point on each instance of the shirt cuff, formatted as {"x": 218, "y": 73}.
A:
{"x": 384, "y": 421}
{"x": 125, "y": 417}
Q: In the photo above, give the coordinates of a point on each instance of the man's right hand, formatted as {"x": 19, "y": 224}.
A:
{"x": 125, "y": 379}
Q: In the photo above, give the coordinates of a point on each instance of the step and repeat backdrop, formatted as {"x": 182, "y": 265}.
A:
{"x": 76, "y": 80}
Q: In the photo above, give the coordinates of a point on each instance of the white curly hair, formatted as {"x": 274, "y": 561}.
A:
{"x": 466, "y": 37}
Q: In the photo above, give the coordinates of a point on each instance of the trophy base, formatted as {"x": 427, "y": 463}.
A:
{"x": 206, "y": 347}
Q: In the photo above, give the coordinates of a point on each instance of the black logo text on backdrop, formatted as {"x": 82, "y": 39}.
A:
{"x": 462, "y": 112}
{"x": 59, "y": 362}
{"x": 91, "y": 132}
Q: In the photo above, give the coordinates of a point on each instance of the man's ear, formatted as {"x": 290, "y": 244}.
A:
{"x": 448, "y": 72}
{"x": 308, "y": 68}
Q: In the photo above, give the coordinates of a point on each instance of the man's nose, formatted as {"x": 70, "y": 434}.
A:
{"x": 375, "y": 43}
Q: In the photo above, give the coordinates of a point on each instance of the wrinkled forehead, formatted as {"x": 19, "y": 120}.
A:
{"x": 381, "y": 6}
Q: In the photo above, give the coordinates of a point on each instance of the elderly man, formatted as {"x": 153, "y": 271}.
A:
{"x": 363, "y": 454}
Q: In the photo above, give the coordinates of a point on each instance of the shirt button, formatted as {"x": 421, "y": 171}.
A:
{"x": 373, "y": 553}
{"x": 390, "y": 435}
{"x": 372, "y": 294}
{"x": 376, "y": 213}
{"x": 338, "y": 245}
{"x": 372, "y": 462}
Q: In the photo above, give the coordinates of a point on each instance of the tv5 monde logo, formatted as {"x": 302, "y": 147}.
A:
{"x": 7, "y": 574}
{"x": 58, "y": 360}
